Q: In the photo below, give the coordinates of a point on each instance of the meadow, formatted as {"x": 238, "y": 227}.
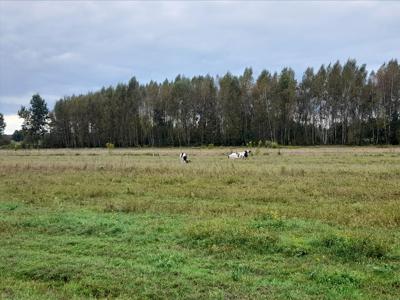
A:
{"x": 291, "y": 223}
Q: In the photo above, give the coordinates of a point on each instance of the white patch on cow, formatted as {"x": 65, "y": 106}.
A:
{"x": 233, "y": 155}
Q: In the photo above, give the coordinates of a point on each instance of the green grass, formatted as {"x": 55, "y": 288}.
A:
{"x": 310, "y": 223}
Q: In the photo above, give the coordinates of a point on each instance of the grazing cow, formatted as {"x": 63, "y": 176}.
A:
{"x": 184, "y": 158}
{"x": 244, "y": 154}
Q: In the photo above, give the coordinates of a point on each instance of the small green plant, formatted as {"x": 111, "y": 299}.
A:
{"x": 110, "y": 146}
{"x": 271, "y": 144}
{"x": 283, "y": 171}
{"x": 237, "y": 272}
{"x": 355, "y": 247}
{"x": 11, "y": 146}
{"x": 260, "y": 143}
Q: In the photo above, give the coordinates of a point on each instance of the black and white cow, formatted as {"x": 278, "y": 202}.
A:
{"x": 244, "y": 154}
{"x": 184, "y": 158}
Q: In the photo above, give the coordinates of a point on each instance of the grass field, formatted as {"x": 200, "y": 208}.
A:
{"x": 301, "y": 223}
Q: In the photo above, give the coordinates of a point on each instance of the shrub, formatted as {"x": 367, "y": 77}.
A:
{"x": 110, "y": 146}
{"x": 271, "y": 144}
{"x": 238, "y": 272}
{"x": 44, "y": 271}
{"x": 355, "y": 247}
{"x": 17, "y": 145}
{"x": 336, "y": 278}
{"x": 230, "y": 236}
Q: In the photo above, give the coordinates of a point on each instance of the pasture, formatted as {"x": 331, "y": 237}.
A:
{"x": 301, "y": 223}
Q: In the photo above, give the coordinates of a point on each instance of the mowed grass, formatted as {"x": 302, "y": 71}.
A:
{"x": 301, "y": 223}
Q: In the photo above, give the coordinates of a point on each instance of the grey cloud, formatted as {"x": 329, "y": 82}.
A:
{"x": 62, "y": 48}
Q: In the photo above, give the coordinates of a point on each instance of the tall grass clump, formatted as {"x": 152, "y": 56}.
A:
{"x": 230, "y": 236}
{"x": 250, "y": 144}
{"x": 110, "y": 147}
{"x": 354, "y": 247}
{"x": 271, "y": 144}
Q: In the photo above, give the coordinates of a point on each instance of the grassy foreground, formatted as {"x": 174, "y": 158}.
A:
{"x": 306, "y": 223}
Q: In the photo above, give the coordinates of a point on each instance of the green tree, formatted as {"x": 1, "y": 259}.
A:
{"x": 320, "y": 107}
{"x": 35, "y": 119}
{"x": 231, "y": 112}
{"x": 17, "y": 136}
{"x": 262, "y": 106}
{"x": 182, "y": 93}
{"x": 206, "y": 111}
{"x": 246, "y": 83}
{"x": 337, "y": 104}
{"x": 2, "y": 124}
{"x": 287, "y": 96}
{"x": 388, "y": 89}
{"x": 304, "y": 107}
{"x": 334, "y": 96}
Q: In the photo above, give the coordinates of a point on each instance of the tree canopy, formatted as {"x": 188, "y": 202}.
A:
{"x": 35, "y": 119}
{"x": 2, "y": 124}
{"x": 335, "y": 104}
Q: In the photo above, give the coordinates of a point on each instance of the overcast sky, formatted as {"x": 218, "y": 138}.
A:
{"x": 71, "y": 47}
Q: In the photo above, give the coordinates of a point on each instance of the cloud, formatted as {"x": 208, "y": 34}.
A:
{"x": 10, "y": 104}
{"x": 65, "y": 57}
{"x": 73, "y": 47}
{"x": 13, "y": 122}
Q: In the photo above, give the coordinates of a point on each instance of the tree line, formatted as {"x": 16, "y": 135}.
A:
{"x": 333, "y": 105}
{"x": 2, "y": 127}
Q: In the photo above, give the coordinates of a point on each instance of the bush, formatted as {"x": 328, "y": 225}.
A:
{"x": 12, "y": 146}
{"x": 271, "y": 144}
{"x": 4, "y": 140}
{"x": 336, "y": 278}
{"x": 110, "y": 146}
{"x": 230, "y": 235}
{"x": 16, "y": 145}
{"x": 355, "y": 247}
{"x": 274, "y": 145}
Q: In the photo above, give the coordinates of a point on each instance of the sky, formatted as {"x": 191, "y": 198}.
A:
{"x": 62, "y": 48}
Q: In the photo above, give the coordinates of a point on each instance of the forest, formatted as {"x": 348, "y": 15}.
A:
{"x": 338, "y": 104}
